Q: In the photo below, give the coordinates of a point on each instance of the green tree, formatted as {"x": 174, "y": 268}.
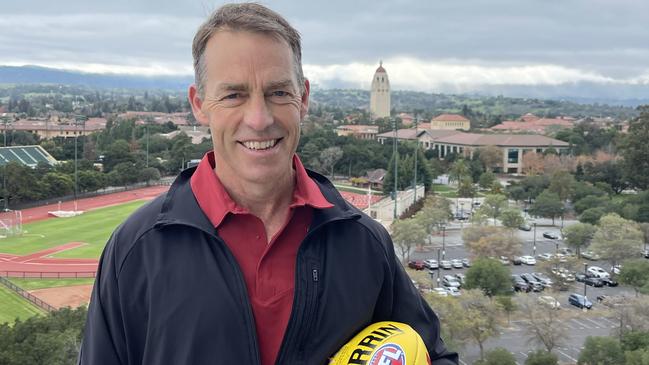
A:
{"x": 541, "y": 357}
{"x": 407, "y": 233}
{"x": 459, "y": 171}
{"x": 486, "y": 180}
{"x": 635, "y": 150}
{"x": 497, "y": 356}
{"x": 591, "y": 215}
{"x": 637, "y": 357}
{"x": 491, "y": 241}
{"x": 561, "y": 184}
{"x": 547, "y": 205}
{"x": 578, "y": 235}
{"x": 57, "y": 184}
{"x": 482, "y": 316}
{"x": 435, "y": 213}
{"x": 149, "y": 174}
{"x": 512, "y": 218}
{"x": 617, "y": 239}
{"x": 635, "y": 273}
{"x": 490, "y": 276}
{"x": 493, "y": 205}
{"x": 601, "y": 351}
{"x": 465, "y": 188}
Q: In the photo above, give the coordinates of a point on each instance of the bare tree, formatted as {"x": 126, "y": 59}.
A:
{"x": 407, "y": 233}
{"x": 545, "y": 325}
{"x": 328, "y": 158}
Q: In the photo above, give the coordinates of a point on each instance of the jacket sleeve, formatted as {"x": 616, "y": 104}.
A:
{"x": 405, "y": 304}
{"x": 104, "y": 339}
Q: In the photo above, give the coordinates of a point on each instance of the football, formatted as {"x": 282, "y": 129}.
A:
{"x": 384, "y": 343}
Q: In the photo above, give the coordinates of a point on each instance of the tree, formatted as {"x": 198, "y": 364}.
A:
{"x": 405, "y": 234}
{"x": 601, "y": 351}
{"x": 617, "y": 239}
{"x": 497, "y": 356}
{"x": 482, "y": 317}
{"x": 507, "y": 305}
{"x": 490, "y": 241}
{"x": 490, "y": 276}
{"x": 561, "y": 184}
{"x": 637, "y": 357}
{"x": 491, "y": 157}
{"x": 486, "y": 180}
{"x": 149, "y": 174}
{"x": 544, "y": 324}
{"x": 541, "y": 357}
{"x": 458, "y": 172}
{"x": 635, "y": 150}
{"x": 435, "y": 213}
{"x": 512, "y": 218}
{"x": 466, "y": 188}
{"x": 635, "y": 273}
{"x": 547, "y": 205}
{"x": 578, "y": 235}
{"x": 592, "y": 215}
{"x": 532, "y": 163}
{"x": 328, "y": 158}
{"x": 493, "y": 205}
{"x": 57, "y": 184}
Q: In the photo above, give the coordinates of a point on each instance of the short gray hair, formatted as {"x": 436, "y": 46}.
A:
{"x": 249, "y": 17}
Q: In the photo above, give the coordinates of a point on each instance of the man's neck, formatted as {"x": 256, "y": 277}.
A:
{"x": 267, "y": 201}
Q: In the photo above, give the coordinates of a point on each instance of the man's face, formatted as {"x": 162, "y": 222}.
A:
{"x": 253, "y": 106}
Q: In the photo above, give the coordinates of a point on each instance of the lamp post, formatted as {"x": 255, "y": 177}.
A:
{"x": 416, "y": 150}
{"x": 534, "y": 242}
{"x": 4, "y": 173}
{"x": 395, "y": 153}
{"x": 585, "y": 272}
{"x": 438, "y": 267}
{"x": 443, "y": 242}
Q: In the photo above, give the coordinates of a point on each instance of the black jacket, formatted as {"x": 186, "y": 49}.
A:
{"x": 168, "y": 290}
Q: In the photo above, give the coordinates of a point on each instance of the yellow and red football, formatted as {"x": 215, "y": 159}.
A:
{"x": 384, "y": 343}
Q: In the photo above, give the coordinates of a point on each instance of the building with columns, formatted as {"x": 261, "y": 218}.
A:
{"x": 380, "y": 94}
{"x": 450, "y": 121}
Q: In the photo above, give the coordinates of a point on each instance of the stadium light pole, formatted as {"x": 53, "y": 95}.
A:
{"x": 534, "y": 242}
{"x": 443, "y": 242}
{"x": 146, "y": 128}
{"x": 585, "y": 276}
{"x": 416, "y": 150}
{"x": 4, "y": 173}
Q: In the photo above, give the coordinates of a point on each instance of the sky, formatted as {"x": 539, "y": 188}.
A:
{"x": 425, "y": 45}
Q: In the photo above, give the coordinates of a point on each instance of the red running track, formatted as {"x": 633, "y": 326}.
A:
{"x": 37, "y": 264}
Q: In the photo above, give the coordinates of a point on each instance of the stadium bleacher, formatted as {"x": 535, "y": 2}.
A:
{"x": 26, "y": 155}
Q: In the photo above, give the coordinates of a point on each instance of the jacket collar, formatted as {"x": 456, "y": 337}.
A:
{"x": 180, "y": 205}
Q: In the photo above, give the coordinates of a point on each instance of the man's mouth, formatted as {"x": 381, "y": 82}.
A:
{"x": 260, "y": 145}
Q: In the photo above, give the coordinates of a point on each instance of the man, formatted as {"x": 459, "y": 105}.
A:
{"x": 249, "y": 258}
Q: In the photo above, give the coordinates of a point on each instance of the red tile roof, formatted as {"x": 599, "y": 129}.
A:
{"x": 450, "y": 118}
{"x": 504, "y": 140}
{"x": 360, "y": 201}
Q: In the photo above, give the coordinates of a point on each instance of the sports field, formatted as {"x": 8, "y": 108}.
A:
{"x": 93, "y": 228}
{"x": 13, "y": 306}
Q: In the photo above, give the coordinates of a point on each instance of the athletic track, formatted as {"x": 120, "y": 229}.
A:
{"x": 38, "y": 264}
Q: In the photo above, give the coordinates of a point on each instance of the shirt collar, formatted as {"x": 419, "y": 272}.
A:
{"x": 216, "y": 202}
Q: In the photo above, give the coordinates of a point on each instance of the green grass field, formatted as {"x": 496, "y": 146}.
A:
{"x": 13, "y": 306}
{"x": 33, "y": 284}
{"x": 92, "y": 227}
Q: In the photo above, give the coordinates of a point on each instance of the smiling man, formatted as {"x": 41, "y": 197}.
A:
{"x": 249, "y": 258}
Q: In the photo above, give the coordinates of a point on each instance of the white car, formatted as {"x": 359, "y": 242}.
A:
{"x": 452, "y": 291}
{"x": 445, "y": 264}
{"x": 528, "y": 260}
{"x": 549, "y": 301}
{"x": 544, "y": 257}
{"x": 441, "y": 292}
{"x": 598, "y": 272}
{"x": 616, "y": 269}
{"x": 431, "y": 264}
{"x": 457, "y": 263}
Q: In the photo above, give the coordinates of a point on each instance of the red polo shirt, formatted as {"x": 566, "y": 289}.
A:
{"x": 268, "y": 269}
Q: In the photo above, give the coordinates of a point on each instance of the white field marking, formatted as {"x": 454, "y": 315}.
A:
{"x": 597, "y": 324}
{"x": 56, "y": 264}
{"x": 615, "y": 324}
{"x": 583, "y": 325}
{"x": 566, "y": 355}
{"x": 462, "y": 362}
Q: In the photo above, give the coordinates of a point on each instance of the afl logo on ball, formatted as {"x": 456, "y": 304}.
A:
{"x": 389, "y": 354}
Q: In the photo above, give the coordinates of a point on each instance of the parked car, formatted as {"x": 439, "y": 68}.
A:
{"x": 609, "y": 282}
{"x": 593, "y": 281}
{"x": 549, "y": 302}
{"x": 561, "y": 257}
{"x": 445, "y": 264}
{"x": 528, "y": 260}
{"x": 525, "y": 227}
{"x": 417, "y": 265}
{"x": 504, "y": 260}
{"x": 590, "y": 255}
{"x": 615, "y": 269}
{"x": 544, "y": 256}
{"x": 431, "y": 264}
{"x": 440, "y": 291}
{"x": 460, "y": 277}
{"x": 516, "y": 260}
{"x": 519, "y": 284}
{"x": 453, "y": 291}
{"x": 457, "y": 263}
{"x": 544, "y": 279}
{"x": 579, "y": 301}
{"x": 533, "y": 283}
{"x": 451, "y": 281}
{"x": 566, "y": 251}
{"x": 598, "y": 272}
{"x": 550, "y": 235}
{"x": 461, "y": 216}
{"x": 466, "y": 262}
{"x": 564, "y": 274}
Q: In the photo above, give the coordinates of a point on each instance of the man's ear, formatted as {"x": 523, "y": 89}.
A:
{"x": 197, "y": 105}
{"x": 305, "y": 99}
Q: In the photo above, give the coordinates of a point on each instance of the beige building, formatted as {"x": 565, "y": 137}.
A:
{"x": 380, "y": 94}
{"x": 450, "y": 121}
{"x": 46, "y": 129}
{"x": 358, "y": 131}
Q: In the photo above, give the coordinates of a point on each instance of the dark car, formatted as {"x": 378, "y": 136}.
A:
{"x": 531, "y": 280}
{"x": 592, "y": 281}
{"x": 609, "y": 282}
{"x": 550, "y": 235}
{"x": 520, "y": 284}
{"x": 525, "y": 227}
{"x": 543, "y": 279}
{"x": 417, "y": 265}
{"x": 580, "y": 301}
{"x": 516, "y": 260}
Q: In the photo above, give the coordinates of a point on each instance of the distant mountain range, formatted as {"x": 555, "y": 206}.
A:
{"x": 43, "y": 75}
{"x": 581, "y": 92}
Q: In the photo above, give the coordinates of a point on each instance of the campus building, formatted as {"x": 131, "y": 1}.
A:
{"x": 380, "y": 94}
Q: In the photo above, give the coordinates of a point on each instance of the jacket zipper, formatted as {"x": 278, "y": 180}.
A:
{"x": 303, "y": 311}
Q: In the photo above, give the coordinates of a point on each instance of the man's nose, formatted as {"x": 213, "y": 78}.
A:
{"x": 258, "y": 115}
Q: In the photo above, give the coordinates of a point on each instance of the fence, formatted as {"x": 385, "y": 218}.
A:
{"x": 48, "y": 275}
{"x": 23, "y": 293}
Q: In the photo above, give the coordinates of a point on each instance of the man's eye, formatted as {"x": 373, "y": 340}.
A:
{"x": 280, "y": 93}
{"x": 232, "y": 96}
